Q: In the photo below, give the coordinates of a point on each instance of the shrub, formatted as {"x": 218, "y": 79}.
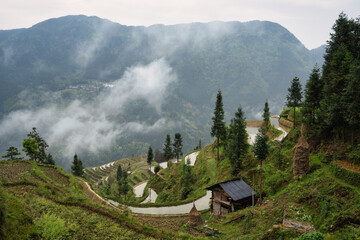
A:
{"x": 51, "y": 227}
{"x": 311, "y": 236}
{"x": 2, "y": 213}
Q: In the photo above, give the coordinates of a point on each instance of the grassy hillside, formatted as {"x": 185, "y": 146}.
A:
{"x": 327, "y": 199}
{"x": 39, "y": 201}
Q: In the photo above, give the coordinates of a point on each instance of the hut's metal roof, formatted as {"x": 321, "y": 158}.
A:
{"x": 237, "y": 189}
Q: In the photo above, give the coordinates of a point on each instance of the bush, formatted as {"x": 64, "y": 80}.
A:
{"x": 349, "y": 177}
{"x": 2, "y": 214}
{"x": 311, "y": 236}
{"x": 51, "y": 227}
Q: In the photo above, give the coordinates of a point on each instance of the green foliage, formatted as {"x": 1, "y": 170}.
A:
{"x": 168, "y": 153}
{"x": 237, "y": 145}
{"x": 350, "y": 177}
{"x": 156, "y": 169}
{"x": 77, "y": 167}
{"x": 294, "y": 95}
{"x": 266, "y": 116}
{"x": 313, "y": 96}
{"x": 218, "y": 128}
{"x": 11, "y": 153}
{"x": 186, "y": 179}
{"x": 30, "y": 148}
{"x": 341, "y": 79}
{"x": 311, "y": 236}
{"x": 119, "y": 173}
{"x": 261, "y": 148}
{"x": 3, "y": 213}
{"x": 177, "y": 145}
{"x": 123, "y": 184}
{"x": 51, "y": 227}
{"x": 150, "y": 156}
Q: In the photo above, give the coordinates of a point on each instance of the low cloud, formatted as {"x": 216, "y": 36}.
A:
{"x": 94, "y": 126}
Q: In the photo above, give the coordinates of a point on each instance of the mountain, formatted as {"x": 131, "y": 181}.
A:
{"x": 132, "y": 85}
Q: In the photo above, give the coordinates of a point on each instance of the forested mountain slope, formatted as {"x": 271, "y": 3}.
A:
{"x": 161, "y": 79}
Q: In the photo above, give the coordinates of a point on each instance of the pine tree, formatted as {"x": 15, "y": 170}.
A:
{"x": 261, "y": 150}
{"x": 119, "y": 173}
{"x": 77, "y": 166}
{"x": 186, "y": 180}
{"x": 168, "y": 154}
{"x": 150, "y": 157}
{"x": 218, "y": 129}
{"x": 313, "y": 96}
{"x": 12, "y": 153}
{"x": 266, "y": 116}
{"x": 237, "y": 145}
{"x": 294, "y": 96}
{"x": 123, "y": 184}
{"x": 351, "y": 101}
{"x": 177, "y": 146}
{"x": 49, "y": 160}
{"x": 342, "y": 51}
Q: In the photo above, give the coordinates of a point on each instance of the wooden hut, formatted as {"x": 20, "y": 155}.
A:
{"x": 230, "y": 196}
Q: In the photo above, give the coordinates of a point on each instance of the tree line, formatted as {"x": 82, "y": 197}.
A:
{"x": 331, "y": 106}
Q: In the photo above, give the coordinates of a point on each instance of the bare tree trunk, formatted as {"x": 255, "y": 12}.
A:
{"x": 260, "y": 201}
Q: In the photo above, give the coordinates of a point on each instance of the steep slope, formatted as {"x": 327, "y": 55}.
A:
{"x": 43, "y": 201}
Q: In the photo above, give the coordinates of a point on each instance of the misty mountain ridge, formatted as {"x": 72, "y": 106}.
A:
{"x": 107, "y": 90}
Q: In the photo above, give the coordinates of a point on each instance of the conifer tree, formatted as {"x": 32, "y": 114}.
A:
{"x": 12, "y": 153}
{"x": 168, "y": 154}
{"x": 342, "y": 52}
{"x": 266, "y": 116}
{"x": 123, "y": 184}
{"x": 77, "y": 166}
{"x": 177, "y": 146}
{"x": 351, "y": 101}
{"x": 49, "y": 160}
{"x": 237, "y": 145}
{"x": 261, "y": 150}
{"x": 150, "y": 157}
{"x": 218, "y": 129}
{"x": 294, "y": 96}
{"x": 119, "y": 173}
{"x": 313, "y": 96}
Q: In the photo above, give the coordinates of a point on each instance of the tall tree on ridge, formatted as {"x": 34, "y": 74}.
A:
{"x": 351, "y": 99}
{"x": 218, "y": 129}
{"x": 150, "y": 157}
{"x": 177, "y": 146}
{"x": 168, "y": 154}
{"x": 77, "y": 167}
{"x": 119, "y": 173}
{"x": 261, "y": 150}
{"x": 266, "y": 116}
{"x": 294, "y": 96}
{"x": 313, "y": 96}
{"x": 237, "y": 145}
{"x": 12, "y": 153}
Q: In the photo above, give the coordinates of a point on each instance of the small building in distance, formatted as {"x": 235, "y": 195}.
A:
{"x": 230, "y": 196}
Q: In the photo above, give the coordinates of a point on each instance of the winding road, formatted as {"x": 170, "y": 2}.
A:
{"x": 201, "y": 203}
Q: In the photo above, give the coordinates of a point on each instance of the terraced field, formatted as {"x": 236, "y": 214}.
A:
{"x": 43, "y": 202}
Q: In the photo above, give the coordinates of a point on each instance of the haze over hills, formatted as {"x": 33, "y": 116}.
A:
{"x": 106, "y": 90}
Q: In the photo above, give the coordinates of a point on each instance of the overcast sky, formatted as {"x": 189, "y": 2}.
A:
{"x": 309, "y": 20}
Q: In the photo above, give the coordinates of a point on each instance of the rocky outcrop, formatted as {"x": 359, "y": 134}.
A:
{"x": 301, "y": 157}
